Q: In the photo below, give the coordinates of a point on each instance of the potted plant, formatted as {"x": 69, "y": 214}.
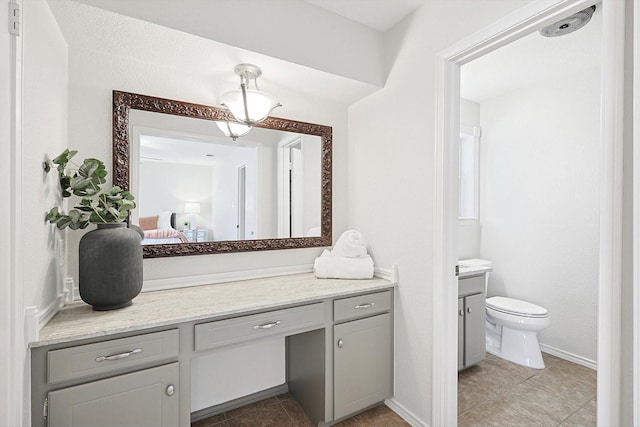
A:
{"x": 110, "y": 257}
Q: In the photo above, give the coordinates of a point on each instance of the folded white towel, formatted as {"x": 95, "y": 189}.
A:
{"x": 350, "y": 245}
{"x": 328, "y": 266}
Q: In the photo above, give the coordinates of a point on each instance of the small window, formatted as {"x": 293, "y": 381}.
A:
{"x": 469, "y": 172}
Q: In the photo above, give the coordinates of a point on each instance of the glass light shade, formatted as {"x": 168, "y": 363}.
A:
{"x": 233, "y": 130}
{"x": 259, "y": 105}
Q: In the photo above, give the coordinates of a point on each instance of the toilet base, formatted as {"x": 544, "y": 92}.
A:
{"x": 516, "y": 346}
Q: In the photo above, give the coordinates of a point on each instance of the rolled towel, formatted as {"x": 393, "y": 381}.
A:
{"x": 350, "y": 245}
{"x": 328, "y": 266}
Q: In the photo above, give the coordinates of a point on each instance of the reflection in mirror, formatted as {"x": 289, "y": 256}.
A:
{"x": 200, "y": 192}
{"x": 264, "y": 186}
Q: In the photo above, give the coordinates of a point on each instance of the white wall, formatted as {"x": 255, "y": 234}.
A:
{"x": 225, "y": 188}
{"x": 469, "y": 230}
{"x": 9, "y": 323}
{"x": 318, "y": 43}
{"x": 45, "y": 136}
{"x": 312, "y": 157}
{"x": 391, "y": 177}
{"x": 44, "y": 133}
{"x": 168, "y": 186}
{"x": 540, "y": 160}
{"x": 267, "y": 191}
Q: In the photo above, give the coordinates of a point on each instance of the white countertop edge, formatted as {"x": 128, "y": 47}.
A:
{"x": 473, "y": 271}
{"x": 51, "y": 337}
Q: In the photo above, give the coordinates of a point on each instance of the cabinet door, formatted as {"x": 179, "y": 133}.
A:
{"x": 147, "y": 398}
{"x": 460, "y": 333}
{"x": 362, "y": 363}
{"x": 474, "y": 329}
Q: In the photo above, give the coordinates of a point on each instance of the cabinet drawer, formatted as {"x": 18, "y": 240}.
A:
{"x": 278, "y": 322}
{"x": 104, "y": 357}
{"x": 471, "y": 285}
{"x": 363, "y": 305}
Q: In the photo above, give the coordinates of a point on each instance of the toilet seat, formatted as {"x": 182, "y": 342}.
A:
{"x": 516, "y": 307}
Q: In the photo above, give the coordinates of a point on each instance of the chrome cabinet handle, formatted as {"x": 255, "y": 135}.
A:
{"x": 267, "y": 325}
{"x": 468, "y": 309}
{"x": 461, "y": 312}
{"x": 365, "y": 305}
{"x": 340, "y": 343}
{"x": 170, "y": 390}
{"x": 118, "y": 356}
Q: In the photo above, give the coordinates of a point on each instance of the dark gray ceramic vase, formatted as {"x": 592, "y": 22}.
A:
{"x": 110, "y": 266}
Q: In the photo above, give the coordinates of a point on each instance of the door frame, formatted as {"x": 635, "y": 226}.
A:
{"x": 636, "y": 214}
{"x": 14, "y": 364}
{"x": 241, "y": 218}
{"x": 505, "y": 31}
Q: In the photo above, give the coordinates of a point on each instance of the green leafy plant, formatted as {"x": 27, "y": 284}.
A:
{"x": 96, "y": 205}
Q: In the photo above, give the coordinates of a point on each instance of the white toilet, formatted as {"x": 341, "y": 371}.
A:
{"x": 512, "y": 327}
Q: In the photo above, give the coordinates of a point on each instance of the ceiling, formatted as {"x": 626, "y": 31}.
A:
{"x": 91, "y": 30}
{"x": 379, "y": 15}
{"x": 532, "y": 59}
{"x": 529, "y": 60}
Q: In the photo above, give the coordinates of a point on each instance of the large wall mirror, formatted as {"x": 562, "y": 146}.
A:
{"x": 199, "y": 192}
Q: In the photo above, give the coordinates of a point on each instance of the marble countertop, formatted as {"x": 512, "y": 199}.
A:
{"x": 78, "y": 321}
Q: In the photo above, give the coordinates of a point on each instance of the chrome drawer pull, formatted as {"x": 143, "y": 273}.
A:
{"x": 366, "y": 305}
{"x": 119, "y": 356}
{"x": 267, "y": 325}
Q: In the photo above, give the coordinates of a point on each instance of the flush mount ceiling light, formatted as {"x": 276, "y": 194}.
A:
{"x": 249, "y": 106}
{"x": 233, "y": 130}
{"x": 569, "y": 24}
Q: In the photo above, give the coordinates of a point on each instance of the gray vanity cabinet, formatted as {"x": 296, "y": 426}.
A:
{"x": 471, "y": 321}
{"x": 339, "y": 352}
{"x": 147, "y": 398}
{"x": 363, "y": 357}
{"x": 128, "y": 381}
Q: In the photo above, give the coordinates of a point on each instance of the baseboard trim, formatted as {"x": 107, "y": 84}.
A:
{"x": 233, "y": 276}
{"x": 404, "y": 413}
{"x": 238, "y": 403}
{"x": 583, "y": 361}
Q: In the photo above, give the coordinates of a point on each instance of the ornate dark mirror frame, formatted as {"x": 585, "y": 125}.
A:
{"x": 124, "y": 102}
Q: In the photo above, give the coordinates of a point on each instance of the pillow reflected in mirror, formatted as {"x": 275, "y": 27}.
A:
{"x": 164, "y": 221}
{"x": 149, "y": 222}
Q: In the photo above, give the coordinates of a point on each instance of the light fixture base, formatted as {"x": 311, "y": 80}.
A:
{"x": 248, "y": 71}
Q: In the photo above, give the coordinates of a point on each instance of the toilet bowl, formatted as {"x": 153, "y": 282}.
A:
{"x": 512, "y": 328}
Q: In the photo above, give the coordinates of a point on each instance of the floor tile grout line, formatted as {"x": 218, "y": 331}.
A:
{"x": 512, "y": 386}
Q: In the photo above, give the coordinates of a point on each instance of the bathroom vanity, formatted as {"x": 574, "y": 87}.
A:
{"x": 133, "y": 366}
{"x": 471, "y": 316}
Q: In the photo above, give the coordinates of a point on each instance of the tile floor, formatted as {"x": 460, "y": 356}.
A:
{"x": 499, "y": 393}
{"x": 493, "y": 393}
{"x": 283, "y": 411}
